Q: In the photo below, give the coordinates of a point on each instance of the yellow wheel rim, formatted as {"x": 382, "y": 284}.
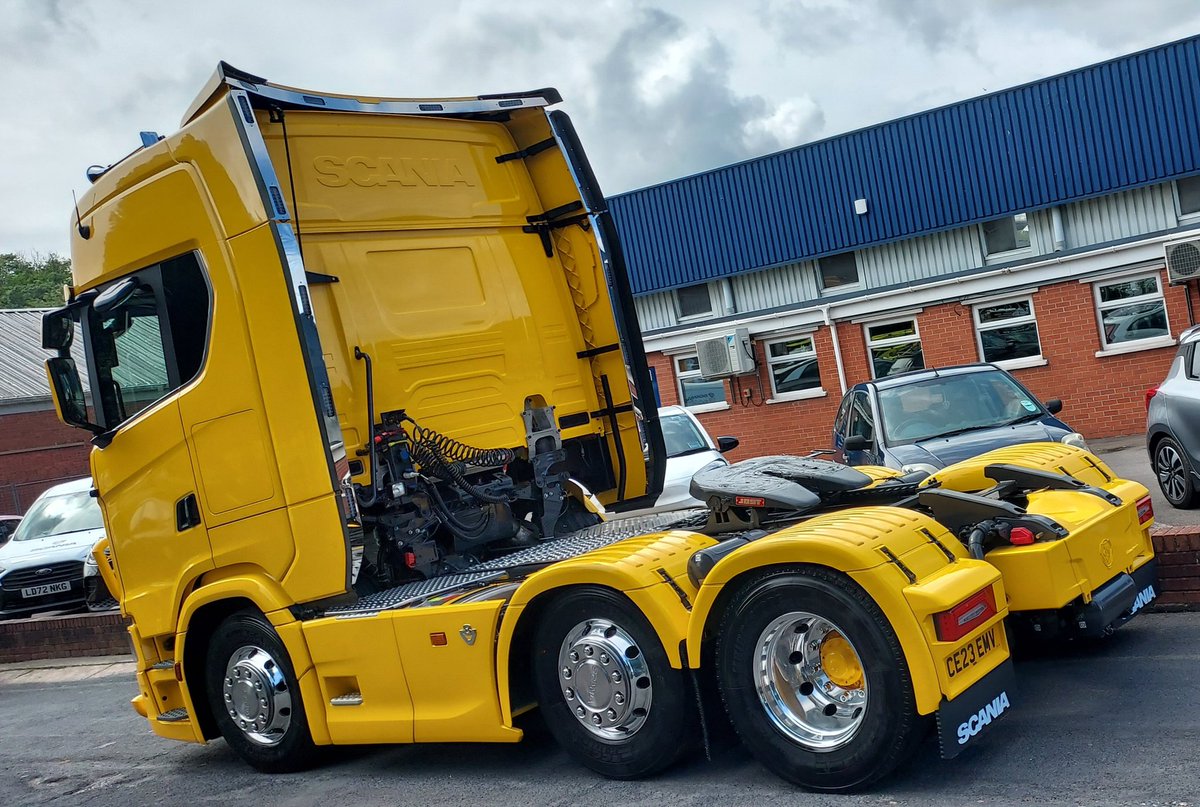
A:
{"x": 840, "y": 662}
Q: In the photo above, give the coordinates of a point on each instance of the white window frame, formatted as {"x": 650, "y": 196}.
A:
{"x": 1008, "y": 254}
{"x": 895, "y": 340}
{"x": 681, "y": 375}
{"x": 1132, "y": 345}
{"x": 856, "y": 286}
{"x": 1179, "y": 214}
{"x": 799, "y": 395}
{"x": 712, "y": 305}
{"x": 980, "y": 327}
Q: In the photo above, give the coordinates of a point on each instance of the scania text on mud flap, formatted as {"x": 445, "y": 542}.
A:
{"x": 365, "y": 374}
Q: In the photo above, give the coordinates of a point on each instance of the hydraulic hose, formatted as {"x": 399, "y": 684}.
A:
{"x": 362, "y": 356}
{"x": 975, "y": 542}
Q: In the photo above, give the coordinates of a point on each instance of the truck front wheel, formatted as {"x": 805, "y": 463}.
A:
{"x": 606, "y": 689}
{"x": 815, "y": 681}
{"x": 254, "y": 695}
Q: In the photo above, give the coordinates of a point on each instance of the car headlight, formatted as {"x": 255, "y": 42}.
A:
{"x": 918, "y": 466}
{"x": 1075, "y": 439}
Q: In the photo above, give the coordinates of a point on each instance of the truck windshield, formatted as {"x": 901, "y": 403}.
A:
{"x": 58, "y": 515}
{"x": 953, "y": 404}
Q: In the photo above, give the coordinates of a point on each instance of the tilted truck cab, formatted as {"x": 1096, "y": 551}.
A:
{"x": 364, "y": 378}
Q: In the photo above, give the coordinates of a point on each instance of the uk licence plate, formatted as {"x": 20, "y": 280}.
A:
{"x": 49, "y": 588}
{"x": 971, "y": 654}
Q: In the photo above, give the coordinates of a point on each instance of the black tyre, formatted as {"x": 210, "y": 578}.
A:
{"x": 815, "y": 681}
{"x": 607, "y": 692}
{"x": 1174, "y": 474}
{"x": 254, "y": 695}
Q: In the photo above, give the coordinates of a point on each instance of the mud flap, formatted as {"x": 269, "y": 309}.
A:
{"x": 963, "y": 719}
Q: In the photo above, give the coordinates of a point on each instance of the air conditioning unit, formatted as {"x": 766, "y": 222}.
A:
{"x": 1183, "y": 260}
{"x": 726, "y": 355}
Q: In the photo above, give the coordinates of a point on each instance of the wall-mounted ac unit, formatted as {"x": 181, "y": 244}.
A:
{"x": 726, "y": 355}
{"x": 1183, "y": 260}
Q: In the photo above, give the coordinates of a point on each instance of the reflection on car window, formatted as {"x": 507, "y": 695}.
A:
{"x": 58, "y": 515}
{"x": 682, "y": 436}
{"x": 953, "y": 404}
{"x": 861, "y": 422}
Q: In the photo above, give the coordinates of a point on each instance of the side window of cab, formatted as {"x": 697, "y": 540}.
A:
{"x": 151, "y": 340}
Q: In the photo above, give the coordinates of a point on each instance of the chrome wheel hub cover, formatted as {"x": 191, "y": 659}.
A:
{"x": 257, "y": 696}
{"x": 605, "y": 679}
{"x": 814, "y": 707}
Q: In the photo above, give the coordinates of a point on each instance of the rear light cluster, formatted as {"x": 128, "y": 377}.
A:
{"x": 1145, "y": 510}
{"x": 1150, "y": 393}
{"x": 965, "y": 617}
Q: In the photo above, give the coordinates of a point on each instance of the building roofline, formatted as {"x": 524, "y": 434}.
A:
{"x": 910, "y": 116}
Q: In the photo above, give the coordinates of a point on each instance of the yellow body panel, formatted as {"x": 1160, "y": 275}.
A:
{"x": 1103, "y": 540}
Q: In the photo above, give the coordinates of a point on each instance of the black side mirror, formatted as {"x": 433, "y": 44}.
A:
{"x": 68, "y": 394}
{"x": 58, "y": 330}
{"x": 727, "y": 444}
{"x": 855, "y": 442}
{"x": 1054, "y": 406}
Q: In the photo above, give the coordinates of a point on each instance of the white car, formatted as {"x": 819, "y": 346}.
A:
{"x": 689, "y": 449}
{"x": 43, "y": 566}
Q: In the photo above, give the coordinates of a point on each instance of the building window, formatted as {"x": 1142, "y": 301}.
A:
{"x": 1007, "y": 331}
{"x": 694, "y": 391}
{"x": 793, "y": 366}
{"x": 693, "y": 301}
{"x": 1187, "y": 193}
{"x": 895, "y": 347}
{"x": 1008, "y": 234}
{"x": 837, "y": 271}
{"x": 1131, "y": 309}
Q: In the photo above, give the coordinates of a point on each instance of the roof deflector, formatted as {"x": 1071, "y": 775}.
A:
{"x": 228, "y": 76}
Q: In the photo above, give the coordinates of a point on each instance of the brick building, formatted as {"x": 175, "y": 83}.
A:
{"x": 1028, "y": 227}
{"x": 36, "y": 450}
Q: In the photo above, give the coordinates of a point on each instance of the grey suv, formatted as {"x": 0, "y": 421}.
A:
{"x": 1173, "y": 424}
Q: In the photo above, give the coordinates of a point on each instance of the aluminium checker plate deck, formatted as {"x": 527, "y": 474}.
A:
{"x": 522, "y": 561}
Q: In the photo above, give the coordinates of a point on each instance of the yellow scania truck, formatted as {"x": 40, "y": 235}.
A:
{"x": 364, "y": 376}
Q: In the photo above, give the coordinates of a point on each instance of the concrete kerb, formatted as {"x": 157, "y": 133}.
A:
{"x": 50, "y": 671}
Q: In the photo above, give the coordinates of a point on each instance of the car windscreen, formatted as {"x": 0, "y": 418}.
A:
{"x": 57, "y": 515}
{"x": 681, "y": 436}
{"x": 953, "y": 404}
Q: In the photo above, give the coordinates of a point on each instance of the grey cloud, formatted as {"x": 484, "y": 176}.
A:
{"x": 696, "y": 121}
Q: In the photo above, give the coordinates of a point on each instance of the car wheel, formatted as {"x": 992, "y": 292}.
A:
{"x": 815, "y": 681}
{"x": 1174, "y": 474}
{"x": 254, "y": 695}
{"x": 606, "y": 689}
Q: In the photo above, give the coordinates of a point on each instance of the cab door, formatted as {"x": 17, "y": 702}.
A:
{"x": 144, "y": 346}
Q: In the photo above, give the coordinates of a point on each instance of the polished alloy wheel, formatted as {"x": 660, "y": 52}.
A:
{"x": 257, "y": 696}
{"x": 605, "y": 679}
{"x": 810, "y": 681}
{"x": 1172, "y": 474}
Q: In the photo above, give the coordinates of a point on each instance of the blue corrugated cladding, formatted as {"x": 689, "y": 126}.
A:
{"x": 1109, "y": 127}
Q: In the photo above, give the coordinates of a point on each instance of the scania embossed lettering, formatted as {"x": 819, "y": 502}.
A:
{"x": 365, "y": 378}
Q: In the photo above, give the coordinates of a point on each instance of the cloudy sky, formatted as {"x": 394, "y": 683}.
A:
{"x": 657, "y": 89}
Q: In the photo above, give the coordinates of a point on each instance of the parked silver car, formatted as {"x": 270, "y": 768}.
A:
{"x": 1173, "y": 424}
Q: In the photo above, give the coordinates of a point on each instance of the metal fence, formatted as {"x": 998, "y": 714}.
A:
{"x": 16, "y": 497}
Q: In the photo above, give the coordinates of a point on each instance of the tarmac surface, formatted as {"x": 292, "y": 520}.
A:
{"x": 1113, "y": 723}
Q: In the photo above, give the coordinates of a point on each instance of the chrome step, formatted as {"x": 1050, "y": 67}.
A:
{"x": 173, "y": 716}
{"x": 349, "y": 699}
{"x": 163, "y": 665}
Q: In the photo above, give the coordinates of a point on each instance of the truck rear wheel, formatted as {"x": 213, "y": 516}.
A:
{"x": 815, "y": 681}
{"x": 606, "y": 689}
{"x": 255, "y": 697}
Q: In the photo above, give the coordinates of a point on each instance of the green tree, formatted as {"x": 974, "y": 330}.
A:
{"x": 34, "y": 281}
